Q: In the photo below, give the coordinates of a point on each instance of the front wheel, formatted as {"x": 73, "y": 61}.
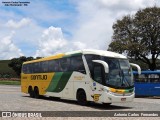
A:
{"x": 81, "y": 98}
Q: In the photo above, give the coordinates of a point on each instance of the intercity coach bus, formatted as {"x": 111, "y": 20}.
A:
{"x": 84, "y": 75}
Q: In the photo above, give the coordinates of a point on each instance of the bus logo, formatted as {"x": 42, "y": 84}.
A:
{"x": 96, "y": 97}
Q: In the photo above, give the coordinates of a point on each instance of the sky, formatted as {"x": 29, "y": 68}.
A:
{"x": 47, "y": 27}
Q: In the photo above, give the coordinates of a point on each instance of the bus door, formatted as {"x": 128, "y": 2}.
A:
{"x": 97, "y": 86}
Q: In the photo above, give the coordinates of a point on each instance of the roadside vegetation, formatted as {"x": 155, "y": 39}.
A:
{"x": 7, "y": 75}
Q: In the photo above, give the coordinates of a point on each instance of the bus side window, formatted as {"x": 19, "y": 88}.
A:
{"x": 56, "y": 66}
{"x": 30, "y": 68}
{"x": 36, "y": 67}
{"x": 154, "y": 78}
{"x": 89, "y": 59}
{"x": 77, "y": 64}
{"x": 142, "y": 78}
{"x": 24, "y": 69}
{"x": 44, "y": 66}
{"x": 65, "y": 64}
{"x": 33, "y": 67}
{"x": 51, "y": 64}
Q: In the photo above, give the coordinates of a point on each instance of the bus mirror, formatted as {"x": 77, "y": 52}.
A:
{"x": 137, "y": 66}
{"x": 105, "y": 65}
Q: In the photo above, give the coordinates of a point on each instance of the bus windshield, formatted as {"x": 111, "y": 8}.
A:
{"x": 119, "y": 75}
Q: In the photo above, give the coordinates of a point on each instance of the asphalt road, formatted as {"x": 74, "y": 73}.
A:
{"x": 11, "y": 99}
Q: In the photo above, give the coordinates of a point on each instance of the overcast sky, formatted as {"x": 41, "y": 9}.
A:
{"x": 46, "y": 27}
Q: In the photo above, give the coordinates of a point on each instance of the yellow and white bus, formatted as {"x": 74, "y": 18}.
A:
{"x": 84, "y": 75}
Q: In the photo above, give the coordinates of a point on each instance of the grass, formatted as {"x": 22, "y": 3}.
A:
{"x": 8, "y": 82}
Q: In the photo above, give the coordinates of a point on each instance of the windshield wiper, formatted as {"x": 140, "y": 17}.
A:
{"x": 124, "y": 79}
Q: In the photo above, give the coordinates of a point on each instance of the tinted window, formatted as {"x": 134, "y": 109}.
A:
{"x": 44, "y": 66}
{"x": 77, "y": 64}
{"x": 27, "y": 68}
{"x": 65, "y": 64}
{"x": 60, "y": 65}
{"x": 89, "y": 59}
{"x": 141, "y": 78}
{"x": 56, "y": 66}
{"x": 155, "y": 78}
{"x": 30, "y": 68}
{"x": 36, "y": 67}
{"x": 98, "y": 74}
{"x": 24, "y": 68}
{"x": 50, "y": 66}
{"x": 53, "y": 66}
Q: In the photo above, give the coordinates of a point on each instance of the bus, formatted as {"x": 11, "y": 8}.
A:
{"x": 148, "y": 83}
{"x": 84, "y": 75}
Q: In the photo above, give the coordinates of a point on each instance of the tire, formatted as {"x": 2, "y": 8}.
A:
{"x": 31, "y": 92}
{"x": 36, "y": 92}
{"x": 107, "y": 104}
{"x": 81, "y": 98}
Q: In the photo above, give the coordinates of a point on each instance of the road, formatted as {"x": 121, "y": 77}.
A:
{"x": 11, "y": 99}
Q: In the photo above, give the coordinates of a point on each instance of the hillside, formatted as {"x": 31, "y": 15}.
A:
{"x": 5, "y": 70}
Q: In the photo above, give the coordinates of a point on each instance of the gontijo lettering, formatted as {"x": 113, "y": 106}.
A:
{"x": 38, "y": 77}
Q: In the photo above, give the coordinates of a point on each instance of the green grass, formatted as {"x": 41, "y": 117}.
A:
{"x": 8, "y": 82}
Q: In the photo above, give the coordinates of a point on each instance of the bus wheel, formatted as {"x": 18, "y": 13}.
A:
{"x": 30, "y": 91}
{"x": 81, "y": 98}
{"x": 107, "y": 104}
{"x": 36, "y": 92}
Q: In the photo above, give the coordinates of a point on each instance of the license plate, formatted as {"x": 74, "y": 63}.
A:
{"x": 123, "y": 99}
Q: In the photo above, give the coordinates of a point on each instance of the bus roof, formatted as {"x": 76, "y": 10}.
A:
{"x": 98, "y": 52}
{"x": 85, "y": 51}
{"x": 148, "y": 72}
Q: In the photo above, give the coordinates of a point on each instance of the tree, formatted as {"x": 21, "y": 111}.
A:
{"x": 138, "y": 36}
{"x": 16, "y": 63}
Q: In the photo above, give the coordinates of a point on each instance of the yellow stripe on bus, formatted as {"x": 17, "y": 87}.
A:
{"x": 121, "y": 91}
{"x": 46, "y": 58}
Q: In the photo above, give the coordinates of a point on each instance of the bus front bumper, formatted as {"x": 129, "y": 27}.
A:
{"x": 112, "y": 98}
